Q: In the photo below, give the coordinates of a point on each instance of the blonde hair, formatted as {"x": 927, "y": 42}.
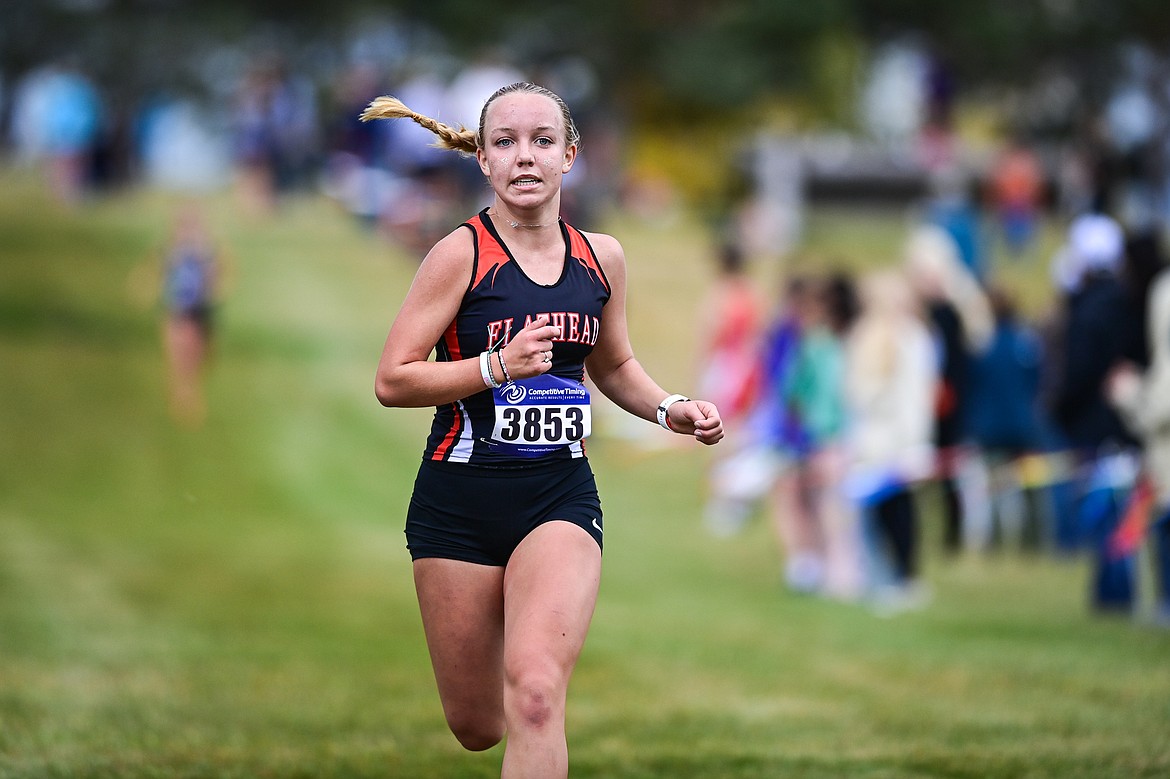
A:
{"x": 462, "y": 139}
{"x": 887, "y": 303}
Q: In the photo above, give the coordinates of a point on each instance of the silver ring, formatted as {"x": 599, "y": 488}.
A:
{"x": 547, "y": 356}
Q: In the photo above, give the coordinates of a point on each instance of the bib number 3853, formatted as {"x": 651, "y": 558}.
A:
{"x": 539, "y": 415}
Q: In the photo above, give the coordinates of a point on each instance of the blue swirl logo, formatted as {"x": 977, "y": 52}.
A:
{"x": 514, "y": 393}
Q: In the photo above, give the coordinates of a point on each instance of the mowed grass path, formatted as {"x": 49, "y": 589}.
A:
{"x": 236, "y": 601}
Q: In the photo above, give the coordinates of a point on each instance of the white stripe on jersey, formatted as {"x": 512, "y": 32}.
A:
{"x": 461, "y": 451}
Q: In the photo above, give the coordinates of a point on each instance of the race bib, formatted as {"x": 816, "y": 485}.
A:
{"x": 539, "y": 415}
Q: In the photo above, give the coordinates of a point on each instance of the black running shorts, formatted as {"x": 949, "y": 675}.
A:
{"x": 480, "y": 515}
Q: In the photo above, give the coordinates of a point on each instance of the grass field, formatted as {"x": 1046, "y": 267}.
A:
{"x": 236, "y": 601}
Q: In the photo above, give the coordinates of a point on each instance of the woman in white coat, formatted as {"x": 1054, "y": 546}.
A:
{"x": 891, "y": 378}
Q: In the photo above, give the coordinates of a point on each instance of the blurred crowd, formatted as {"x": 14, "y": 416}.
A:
{"x": 270, "y": 132}
{"x": 850, "y": 398}
{"x": 855, "y": 401}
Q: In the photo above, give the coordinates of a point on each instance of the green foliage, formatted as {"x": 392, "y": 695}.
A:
{"x": 236, "y": 601}
{"x": 696, "y": 56}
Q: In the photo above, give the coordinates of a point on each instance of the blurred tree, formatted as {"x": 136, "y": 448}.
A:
{"x": 693, "y": 55}
{"x": 684, "y": 71}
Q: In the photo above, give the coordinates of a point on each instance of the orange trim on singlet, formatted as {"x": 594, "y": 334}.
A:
{"x": 452, "y": 435}
{"x": 490, "y": 255}
{"x": 582, "y": 252}
{"x": 451, "y": 340}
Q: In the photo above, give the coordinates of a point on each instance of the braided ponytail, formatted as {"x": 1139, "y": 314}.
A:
{"x": 463, "y": 140}
{"x": 386, "y": 107}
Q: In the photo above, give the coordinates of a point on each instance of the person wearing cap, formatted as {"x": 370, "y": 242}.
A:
{"x": 1101, "y": 329}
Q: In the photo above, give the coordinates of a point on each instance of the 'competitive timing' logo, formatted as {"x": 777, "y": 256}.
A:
{"x": 515, "y": 394}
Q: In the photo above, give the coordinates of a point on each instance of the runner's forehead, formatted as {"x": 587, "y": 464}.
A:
{"x": 523, "y": 111}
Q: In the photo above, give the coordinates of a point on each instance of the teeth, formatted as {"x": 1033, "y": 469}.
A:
{"x": 525, "y": 181}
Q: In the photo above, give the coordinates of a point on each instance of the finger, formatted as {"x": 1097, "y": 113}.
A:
{"x": 709, "y": 434}
{"x": 542, "y": 329}
{"x": 549, "y": 333}
{"x": 709, "y": 421}
{"x": 708, "y": 437}
{"x": 708, "y": 427}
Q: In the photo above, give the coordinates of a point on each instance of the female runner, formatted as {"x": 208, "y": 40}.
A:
{"x": 505, "y": 525}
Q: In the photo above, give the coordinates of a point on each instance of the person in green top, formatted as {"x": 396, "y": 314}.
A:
{"x": 821, "y": 553}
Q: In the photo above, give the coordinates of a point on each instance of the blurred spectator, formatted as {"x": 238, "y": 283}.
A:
{"x": 1100, "y": 330}
{"x": 772, "y": 218}
{"x": 1144, "y": 401}
{"x": 894, "y": 94}
{"x": 274, "y": 125}
{"x": 254, "y": 141}
{"x": 1135, "y": 119}
{"x": 1089, "y": 172}
{"x": 57, "y": 116}
{"x": 822, "y": 551}
{"x": 961, "y": 323}
{"x": 1005, "y": 421}
{"x": 770, "y": 433}
{"x": 298, "y": 132}
{"x": 1144, "y": 261}
{"x": 780, "y": 345}
{"x": 951, "y": 208}
{"x": 937, "y": 143}
{"x": 731, "y": 318}
{"x": 890, "y": 379}
{"x": 354, "y": 166}
{"x": 792, "y": 511}
{"x": 811, "y": 393}
{"x": 179, "y": 147}
{"x": 729, "y": 374}
{"x": 1016, "y": 193}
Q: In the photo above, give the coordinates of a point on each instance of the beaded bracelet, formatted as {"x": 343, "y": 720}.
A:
{"x": 504, "y": 367}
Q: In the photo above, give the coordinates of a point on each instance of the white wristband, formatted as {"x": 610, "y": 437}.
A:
{"x": 665, "y": 405}
{"x": 485, "y": 370}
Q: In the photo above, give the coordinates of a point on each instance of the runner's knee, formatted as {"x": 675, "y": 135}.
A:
{"x": 534, "y": 696}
